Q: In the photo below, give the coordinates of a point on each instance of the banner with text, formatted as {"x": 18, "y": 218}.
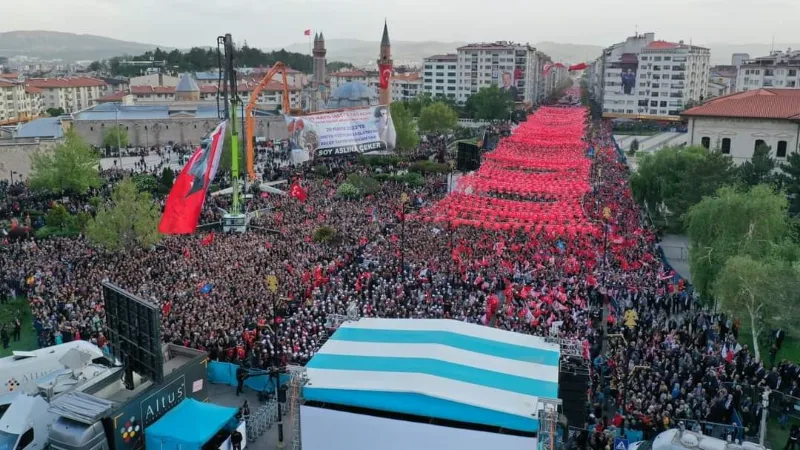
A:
{"x": 362, "y": 130}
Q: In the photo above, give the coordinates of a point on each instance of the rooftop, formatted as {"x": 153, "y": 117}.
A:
{"x": 447, "y": 57}
{"x": 65, "y": 82}
{"x": 407, "y": 77}
{"x": 757, "y": 104}
{"x": 666, "y": 45}
{"x": 109, "y": 111}
{"x": 45, "y": 128}
{"x": 437, "y": 368}
{"x": 187, "y": 84}
{"x": 349, "y": 73}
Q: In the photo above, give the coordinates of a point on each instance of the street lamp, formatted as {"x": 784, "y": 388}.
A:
{"x": 12, "y": 176}
{"x": 403, "y": 201}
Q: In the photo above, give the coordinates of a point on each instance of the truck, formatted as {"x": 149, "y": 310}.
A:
{"x": 682, "y": 439}
{"x": 24, "y": 367}
{"x": 109, "y": 415}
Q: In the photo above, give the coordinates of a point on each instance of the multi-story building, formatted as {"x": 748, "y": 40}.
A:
{"x": 154, "y": 79}
{"x": 406, "y": 86}
{"x": 18, "y": 101}
{"x": 71, "y": 94}
{"x": 737, "y": 59}
{"x": 779, "y": 70}
{"x": 513, "y": 67}
{"x": 722, "y": 80}
{"x": 439, "y": 75}
{"x": 643, "y": 78}
{"x": 555, "y": 77}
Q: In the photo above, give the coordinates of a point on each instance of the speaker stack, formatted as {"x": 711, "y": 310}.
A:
{"x": 468, "y": 157}
{"x": 573, "y": 386}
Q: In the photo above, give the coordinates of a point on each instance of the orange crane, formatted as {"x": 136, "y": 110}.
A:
{"x": 250, "y": 119}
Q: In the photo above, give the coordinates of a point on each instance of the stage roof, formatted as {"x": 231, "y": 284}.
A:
{"x": 437, "y": 368}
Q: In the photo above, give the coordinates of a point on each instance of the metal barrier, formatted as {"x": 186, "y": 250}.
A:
{"x": 261, "y": 420}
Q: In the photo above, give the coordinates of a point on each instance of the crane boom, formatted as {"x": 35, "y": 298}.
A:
{"x": 250, "y": 119}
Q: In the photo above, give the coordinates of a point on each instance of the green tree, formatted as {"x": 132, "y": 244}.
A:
{"x": 145, "y": 182}
{"x": 765, "y": 289}
{"x": 167, "y": 177}
{"x": 437, "y": 118}
{"x": 95, "y": 66}
{"x": 416, "y": 104}
{"x": 759, "y": 169}
{"x": 634, "y": 147}
{"x": 732, "y": 223}
{"x": 405, "y": 128}
{"x": 71, "y": 167}
{"x": 116, "y": 137}
{"x": 55, "y": 112}
{"x": 130, "y": 221}
{"x": 672, "y": 180}
{"x": 490, "y": 103}
{"x": 790, "y": 181}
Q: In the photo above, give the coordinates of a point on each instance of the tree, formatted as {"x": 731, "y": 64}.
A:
{"x": 406, "y": 130}
{"x": 490, "y": 103}
{"x": 790, "y": 181}
{"x": 759, "y": 169}
{"x": 145, "y": 182}
{"x": 55, "y": 112}
{"x": 71, "y": 167}
{"x": 416, "y": 104}
{"x": 167, "y": 177}
{"x": 95, "y": 66}
{"x": 672, "y": 180}
{"x": 766, "y": 289}
{"x": 437, "y": 118}
{"x": 116, "y": 137}
{"x": 130, "y": 221}
{"x": 734, "y": 223}
{"x": 634, "y": 147}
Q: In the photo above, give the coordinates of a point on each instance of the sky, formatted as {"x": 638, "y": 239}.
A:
{"x": 276, "y": 23}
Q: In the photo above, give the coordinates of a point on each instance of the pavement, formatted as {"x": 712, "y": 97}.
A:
{"x": 225, "y": 395}
{"x": 676, "y": 250}
{"x": 129, "y": 162}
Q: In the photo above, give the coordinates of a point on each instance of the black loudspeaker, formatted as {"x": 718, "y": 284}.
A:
{"x": 468, "y": 158}
{"x": 282, "y": 394}
{"x": 573, "y": 389}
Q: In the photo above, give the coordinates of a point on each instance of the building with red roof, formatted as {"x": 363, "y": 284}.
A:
{"x": 645, "y": 78}
{"x": 68, "y": 93}
{"x": 739, "y": 123}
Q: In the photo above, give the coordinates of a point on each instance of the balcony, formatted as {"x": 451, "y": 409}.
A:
{"x": 679, "y": 77}
{"x": 680, "y": 68}
{"x": 676, "y": 95}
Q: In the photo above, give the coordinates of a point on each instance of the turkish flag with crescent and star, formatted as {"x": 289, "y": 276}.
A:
{"x": 298, "y": 192}
{"x": 386, "y": 75}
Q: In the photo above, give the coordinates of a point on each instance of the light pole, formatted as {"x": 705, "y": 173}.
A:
{"x": 764, "y": 407}
{"x": 12, "y": 176}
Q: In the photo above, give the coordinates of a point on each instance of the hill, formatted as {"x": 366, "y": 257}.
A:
{"x": 364, "y": 53}
{"x": 67, "y": 46}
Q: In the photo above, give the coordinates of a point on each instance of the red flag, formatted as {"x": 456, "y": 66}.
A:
{"x": 166, "y": 309}
{"x": 186, "y": 253}
{"x": 208, "y": 239}
{"x": 307, "y": 32}
{"x": 186, "y": 198}
{"x": 386, "y": 75}
{"x": 297, "y": 192}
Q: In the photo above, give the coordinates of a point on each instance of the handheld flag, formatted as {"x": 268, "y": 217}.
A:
{"x": 297, "y": 192}
{"x": 186, "y": 198}
{"x": 307, "y": 32}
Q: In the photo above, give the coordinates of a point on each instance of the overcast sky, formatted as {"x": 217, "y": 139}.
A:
{"x": 275, "y": 23}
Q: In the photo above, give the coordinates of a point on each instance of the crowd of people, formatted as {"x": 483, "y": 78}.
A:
{"x": 657, "y": 356}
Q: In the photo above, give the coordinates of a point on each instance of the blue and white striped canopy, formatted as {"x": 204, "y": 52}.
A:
{"x": 444, "y": 369}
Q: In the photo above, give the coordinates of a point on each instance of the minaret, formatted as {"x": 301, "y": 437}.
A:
{"x": 385, "y": 63}
{"x": 319, "y": 53}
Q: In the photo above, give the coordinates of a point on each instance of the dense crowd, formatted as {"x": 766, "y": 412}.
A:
{"x": 657, "y": 357}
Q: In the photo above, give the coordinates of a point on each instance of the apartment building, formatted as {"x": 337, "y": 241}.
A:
{"x": 71, "y": 93}
{"x": 406, "y": 86}
{"x": 513, "y": 67}
{"x": 439, "y": 75}
{"x": 645, "y": 78}
{"x": 555, "y": 76}
{"x": 780, "y": 70}
{"x": 18, "y": 101}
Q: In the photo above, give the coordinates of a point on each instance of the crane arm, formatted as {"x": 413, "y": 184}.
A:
{"x": 250, "y": 120}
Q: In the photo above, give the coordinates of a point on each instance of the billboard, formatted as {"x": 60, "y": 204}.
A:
{"x": 629, "y": 65}
{"x": 351, "y": 131}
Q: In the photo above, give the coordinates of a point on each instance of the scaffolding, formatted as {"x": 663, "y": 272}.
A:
{"x": 548, "y": 423}
{"x": 298, "y": 379}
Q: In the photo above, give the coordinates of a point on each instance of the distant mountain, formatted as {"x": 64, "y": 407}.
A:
{"x": 364, "y": 53}
{"x": 67, "y": 46}
{"x": 721, "y": 53}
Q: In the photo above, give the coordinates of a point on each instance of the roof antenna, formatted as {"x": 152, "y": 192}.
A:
{"x": 772, "y": 49}
{"x": 636, "y": 30}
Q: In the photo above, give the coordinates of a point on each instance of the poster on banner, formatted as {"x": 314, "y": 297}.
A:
{"x": 347, "y": 132}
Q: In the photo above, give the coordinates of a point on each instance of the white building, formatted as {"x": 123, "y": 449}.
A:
{"x": 406, "y": 86}
{"x": 154, "y": 79}
{"x": 439, "y": 75}
{"x": 740, "y": 123}
{"x": 556, "y": 76}
{"x": 70, "y": 93}
{"x": 643, "y": 78}
{"x": 511, "y": 66}
{"x": 779, "y": 70}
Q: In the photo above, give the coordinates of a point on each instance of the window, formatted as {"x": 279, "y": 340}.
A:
{"x": 759, "y": 143}
{"x": 25, "y": 440}
{"x": 781, "y": 152}
{"x": 726, "y": 146}
{"x": 706, "y": 141}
